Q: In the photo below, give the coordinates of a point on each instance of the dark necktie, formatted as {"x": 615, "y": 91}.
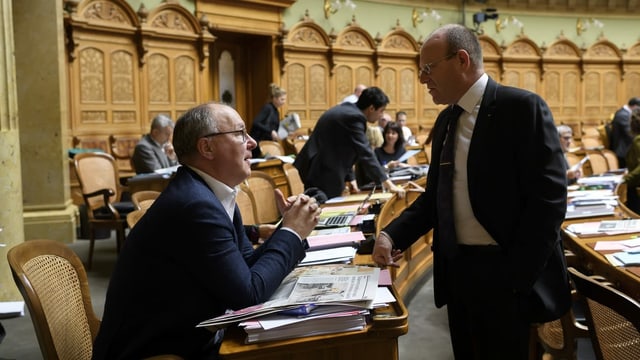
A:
{"x": 446, "y": 227}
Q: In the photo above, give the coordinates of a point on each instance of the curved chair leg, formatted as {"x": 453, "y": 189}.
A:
{"x": 92, "y": 239}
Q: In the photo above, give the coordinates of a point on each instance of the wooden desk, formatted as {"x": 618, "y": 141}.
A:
{"x": 156, "y": 182}
{"x": 273, "y": 167}
{"x": 590, "y": 261}
{"x": 379, "y": 341}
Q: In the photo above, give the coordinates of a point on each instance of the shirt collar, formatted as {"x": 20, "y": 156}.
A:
{"x": 473, "y": 96}
{"x": 224, "y": 193}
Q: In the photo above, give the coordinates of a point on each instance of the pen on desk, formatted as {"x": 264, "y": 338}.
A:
{"x": 303, "y": 309}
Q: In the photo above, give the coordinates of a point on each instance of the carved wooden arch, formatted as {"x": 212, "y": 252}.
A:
{"x": 398, "y": 43}
{"x": 304, "y": 37}
{"x": 491, "y": 51}
{"x": 353, "y": 39}
{"x": 172, "y": 22}
{"x": 522, "y": 49}
{"x": 562, "y": 50}
{"x": 633, "y": 53}
{"x": 108, "y": 16}
{"x": 602, "y": 52}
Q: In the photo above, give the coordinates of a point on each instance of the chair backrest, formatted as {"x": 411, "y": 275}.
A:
{"x": 135, "y": 216}
{"x": 97, "y": 171}
{"x": 272, "y": 148}
{"x": 613, "y": 318}
{"x": 573, "y": 158}
{"x": 262, "y": 187}
{"x": 246, "y": 204}
{"x": 612, "y": 159}
{"x": 597, "y": 162}
{"x": 296, "y": 186}
{"x": 53, "y": 282}
{"x": 298, "y": 144}
{"x": 143, "y": 200}
{"x": 122, "y": 148}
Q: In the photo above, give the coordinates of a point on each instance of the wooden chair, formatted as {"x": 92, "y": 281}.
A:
{"x": 298, "y": 144}
{"x": 122, "y": 148}
{"x": 612, "y": 159}
{"x": 246, "y": 204}
{"x": 597, "y": 163}
{"x": 573, "y": 158}
{"x": 54, "y": 285}
{"x": 262, "y": 188}
{"x": 613, "y": 318}
{"x": 559, "y": 338}
{"x": 135, "y": 216}
{"x": 142, "y": 200}
{"x": 296, "y": 186}
{"x": 272, "y": 148}
{"x": 98, "y": 177}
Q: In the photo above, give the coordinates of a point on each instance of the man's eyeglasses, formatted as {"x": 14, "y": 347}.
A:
{"x": 426, "y": 68}
{"x": 241, "y": 132}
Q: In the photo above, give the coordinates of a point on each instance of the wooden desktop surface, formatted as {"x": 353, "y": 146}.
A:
{"x": 626, "y": 279}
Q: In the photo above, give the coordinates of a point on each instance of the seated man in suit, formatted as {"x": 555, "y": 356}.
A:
{"x": 154, "y": 151}
{"x": 188, "y": 259}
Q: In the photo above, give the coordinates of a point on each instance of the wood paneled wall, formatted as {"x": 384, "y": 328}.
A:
{"x": 125, "y": 67}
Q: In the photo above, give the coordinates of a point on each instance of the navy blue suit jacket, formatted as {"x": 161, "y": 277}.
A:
{"x": 518, "y": 191}
{"x": 337, "y": 142}
{"x": 185, "y": 262}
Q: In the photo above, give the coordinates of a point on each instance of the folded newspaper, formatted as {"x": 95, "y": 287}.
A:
{"x": 332, "y": 284}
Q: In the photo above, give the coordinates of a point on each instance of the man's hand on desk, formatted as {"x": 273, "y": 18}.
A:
{"x": 383, "y": 253}
{"x": 389, "y": 185}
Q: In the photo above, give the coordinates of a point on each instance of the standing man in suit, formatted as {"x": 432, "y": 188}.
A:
{"x": 154, "y": 151}
{"x": 338, "y": 141}
{"x": 188, "y": 259}
{"x": 498, "y": 257}
{"x": 620, "y": 138}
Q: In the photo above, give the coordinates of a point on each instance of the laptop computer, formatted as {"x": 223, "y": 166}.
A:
{"x": 342, "y": 216}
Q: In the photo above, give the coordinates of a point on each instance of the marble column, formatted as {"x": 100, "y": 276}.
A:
{"x": 43, "y": 111}
{"x": 11, "y": 221}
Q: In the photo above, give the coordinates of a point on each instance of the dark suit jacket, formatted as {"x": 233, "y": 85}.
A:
{"x": 518, "y": 190}
{"x": 267, "y": 120}
{"x": 185, "y": 262}
{"x": 338, "y": 140}
{"x": 620, "y": 137}
{"x": 149, "y": 156}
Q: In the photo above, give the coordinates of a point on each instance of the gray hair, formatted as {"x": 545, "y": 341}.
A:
{"x": 190, "y": 127}
{"x": 161, "y": 121}
{"x": 564, "y": 129}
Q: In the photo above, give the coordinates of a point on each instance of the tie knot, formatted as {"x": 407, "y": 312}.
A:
{"x": 456, "y": 110}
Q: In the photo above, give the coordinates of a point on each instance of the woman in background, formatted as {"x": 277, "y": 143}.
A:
{"x": 632, "y": 178}
{"x": 265, "y": 125}
{"x": 393, "y": 146}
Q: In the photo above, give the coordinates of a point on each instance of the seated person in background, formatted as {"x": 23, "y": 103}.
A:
{"x": 374, "y": 132}
{"x": 154, "y": 151}
{"x": 401, "y": 119}
{"x": 632, "y": 178}
{"x": 566, "y": 135}
{"x": 188, "y": 259}
{"x": 392, "y": 148}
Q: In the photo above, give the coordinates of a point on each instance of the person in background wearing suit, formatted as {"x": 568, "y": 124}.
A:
{"x": 620, "y": 137}
{"x": 338, "y": 141}
{"x": 154, "y": 151}
{"x": 566, "y": 135}
{"x": 495, "y": 200}
{"x": 188, "y": 259}
{"x": 632, "y": 178}
{"x": 266, "y": 123}
{"x": 353, "y": 98}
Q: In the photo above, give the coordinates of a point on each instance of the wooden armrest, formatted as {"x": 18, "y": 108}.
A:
{"x": 106, "y": 194}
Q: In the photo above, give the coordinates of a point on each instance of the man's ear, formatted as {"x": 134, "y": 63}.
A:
{"x": 205, "y": 148}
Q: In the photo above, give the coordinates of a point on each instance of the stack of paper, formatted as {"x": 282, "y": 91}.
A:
{"x": 311, "y": 300}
